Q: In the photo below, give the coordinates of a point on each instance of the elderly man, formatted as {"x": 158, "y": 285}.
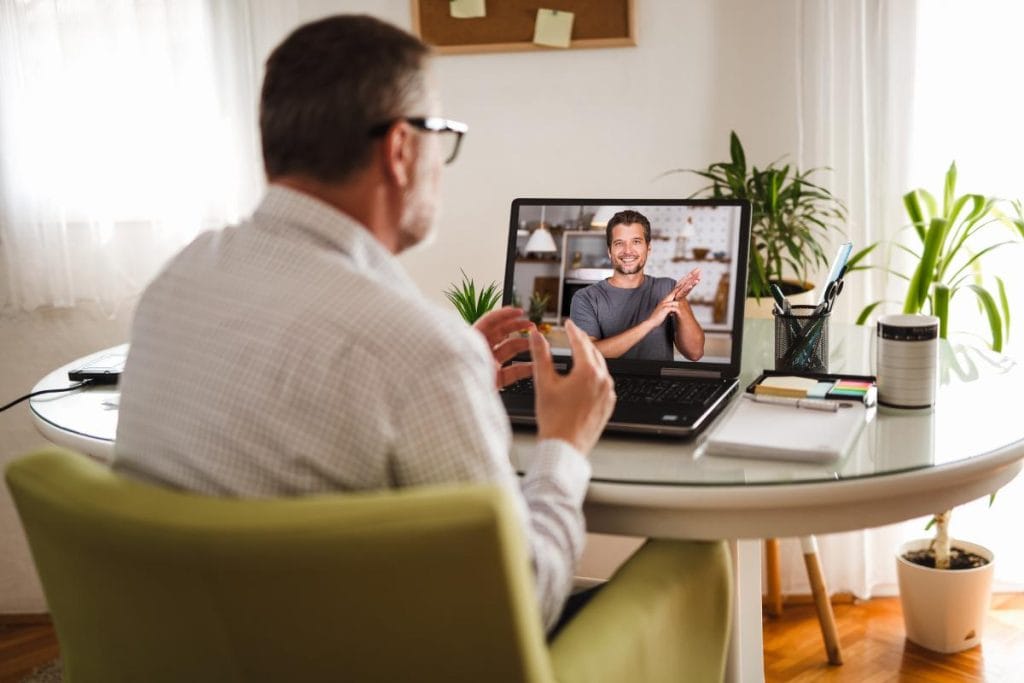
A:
{"x": 292, "y": 354}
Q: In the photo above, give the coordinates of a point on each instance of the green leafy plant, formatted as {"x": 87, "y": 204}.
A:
{"x": 470, "y": 303}
{"x": 947, "y": 258}
{"x": 792, "y": 217}
{"x": 538, "y": 305}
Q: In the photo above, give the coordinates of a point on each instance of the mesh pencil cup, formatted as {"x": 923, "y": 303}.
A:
{"x": 801, "y": 339}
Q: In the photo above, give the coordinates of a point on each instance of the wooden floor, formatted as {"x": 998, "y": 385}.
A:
{"x": 871, "y": 633}
{"x": 875, "y": 650}
{"x": 25, "y": 647}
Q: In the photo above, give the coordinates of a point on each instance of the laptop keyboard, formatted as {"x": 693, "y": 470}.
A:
{"x": 646, "y": 390}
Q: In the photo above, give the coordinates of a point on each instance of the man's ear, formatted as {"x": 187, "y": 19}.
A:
{"x": 398, "y": 154}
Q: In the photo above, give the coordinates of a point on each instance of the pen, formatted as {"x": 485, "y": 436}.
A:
{"x": 808, "y": 403}
{"x": 783, "y": 308}
{"x": 781, "y": 302}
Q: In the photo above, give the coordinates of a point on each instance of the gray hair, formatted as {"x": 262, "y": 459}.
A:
{"x": 327, "y": 85}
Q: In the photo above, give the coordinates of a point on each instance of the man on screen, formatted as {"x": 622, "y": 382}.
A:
{"x": 633, "y": 315}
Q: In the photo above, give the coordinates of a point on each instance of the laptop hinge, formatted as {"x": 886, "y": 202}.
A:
{"x": 683, "y": 372}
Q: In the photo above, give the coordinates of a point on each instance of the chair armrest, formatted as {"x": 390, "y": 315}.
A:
{"x": 664, "y": 616}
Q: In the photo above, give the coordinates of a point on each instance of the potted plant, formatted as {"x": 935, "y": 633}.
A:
{"x": 470, "y": 303}
{"x": 538, "y": 306}
{"x": 945, "y": 589}
{"x": 948, "y": 256}
{"x": 791, "y": 222}
{"x": 945, "y": 586}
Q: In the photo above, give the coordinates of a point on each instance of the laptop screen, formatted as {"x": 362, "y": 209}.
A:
{"x": 621, "y": 270}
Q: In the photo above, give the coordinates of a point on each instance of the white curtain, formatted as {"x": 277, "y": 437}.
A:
{"x": 889, "y": 89}
{"x": 126, "y": 127}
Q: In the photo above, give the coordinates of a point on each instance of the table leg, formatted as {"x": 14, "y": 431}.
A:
{"x": 822, "y": 602}
{"x": 746, "y": 647}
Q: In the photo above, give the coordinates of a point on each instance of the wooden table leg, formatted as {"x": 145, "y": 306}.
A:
{"x": 774, "y": 576}
{"x": 821, "y": 600}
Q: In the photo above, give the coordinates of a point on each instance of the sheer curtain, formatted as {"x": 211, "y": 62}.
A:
{"x": 876, "y": 80}
{"x": 126, "y": 127}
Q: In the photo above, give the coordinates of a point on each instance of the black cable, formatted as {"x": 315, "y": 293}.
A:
{"x": 45, "y": 391}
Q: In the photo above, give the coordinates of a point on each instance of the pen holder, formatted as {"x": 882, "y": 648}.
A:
{"x": 801, "y": 339}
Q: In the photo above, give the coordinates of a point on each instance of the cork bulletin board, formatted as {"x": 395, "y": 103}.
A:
{"x": 509, "y": 25}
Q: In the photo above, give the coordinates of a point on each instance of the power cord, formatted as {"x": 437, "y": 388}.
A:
{"x": 46, "y": 391}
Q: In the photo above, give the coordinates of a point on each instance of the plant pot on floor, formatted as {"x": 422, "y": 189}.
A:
{"x": 944, "y": 609}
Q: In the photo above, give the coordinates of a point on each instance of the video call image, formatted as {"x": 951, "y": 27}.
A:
{"x": 654, "y": 282}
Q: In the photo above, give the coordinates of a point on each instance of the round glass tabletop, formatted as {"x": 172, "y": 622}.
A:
{"x": 972, "y": 418}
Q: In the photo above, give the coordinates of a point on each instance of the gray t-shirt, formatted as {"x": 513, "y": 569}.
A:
{"x": 603, "y": 311}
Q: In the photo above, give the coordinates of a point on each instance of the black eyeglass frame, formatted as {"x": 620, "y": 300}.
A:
{"x": 430, "y": 124}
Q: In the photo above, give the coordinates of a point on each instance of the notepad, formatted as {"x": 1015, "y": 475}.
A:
{"x": 779, "y": 432}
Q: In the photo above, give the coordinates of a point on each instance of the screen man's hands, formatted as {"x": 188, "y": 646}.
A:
{"x": 686, "y": 284}
{"x": 573, "y": 407}
{"x": 669, "y": 305}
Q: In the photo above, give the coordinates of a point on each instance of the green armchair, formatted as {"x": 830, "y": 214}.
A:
{"x": 430, "y": 584}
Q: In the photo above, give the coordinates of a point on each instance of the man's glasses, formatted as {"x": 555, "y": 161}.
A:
{"x": 451, "y": 131}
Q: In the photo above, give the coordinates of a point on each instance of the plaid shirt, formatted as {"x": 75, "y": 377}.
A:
{"x": 292, "y": 354}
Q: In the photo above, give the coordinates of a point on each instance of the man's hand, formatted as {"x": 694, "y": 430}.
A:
{"x": 666, "y": 307}
{"x": 686, "y": 284}
{"x": 496, "y": 326}
{"x": 574, "y": 407}
{"x": 670, "y": 304}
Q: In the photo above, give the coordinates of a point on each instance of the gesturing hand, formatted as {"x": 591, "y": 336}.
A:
{"x": 574, "y": 407}
{"x": 496, "y": 326}
{"x": 686, "y": 284}
{"x": 666, "y": 307}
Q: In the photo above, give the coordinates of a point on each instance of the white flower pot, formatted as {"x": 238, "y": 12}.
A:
{"x": 944, "y": 610}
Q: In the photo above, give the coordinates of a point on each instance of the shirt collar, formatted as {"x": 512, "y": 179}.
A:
{"x": 303, "y": 214}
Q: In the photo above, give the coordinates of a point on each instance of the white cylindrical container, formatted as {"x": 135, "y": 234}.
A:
{"x": 944, "y": 609}
{"x": 907, "y": 360}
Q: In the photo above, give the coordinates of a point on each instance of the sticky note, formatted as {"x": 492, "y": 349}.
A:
{"x": 851, "y": 388}
{"x": 785, "y": 385}
{"x": 553, "y": 28}
{"x": 467, "y": 9}
{"x": 820, "y": 390}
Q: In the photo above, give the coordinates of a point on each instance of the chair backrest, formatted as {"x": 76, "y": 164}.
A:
{"x": 145, "y": 583}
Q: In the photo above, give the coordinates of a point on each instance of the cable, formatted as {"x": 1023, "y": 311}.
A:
{"x": 45, "y": 391}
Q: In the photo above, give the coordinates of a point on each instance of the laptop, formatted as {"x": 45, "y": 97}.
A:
{"x": 558, "y": 259}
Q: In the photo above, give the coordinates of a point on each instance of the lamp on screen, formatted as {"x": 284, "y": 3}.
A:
{"x": 541, "y": 241}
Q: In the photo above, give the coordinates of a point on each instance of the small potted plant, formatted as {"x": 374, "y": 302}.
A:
{"x": 471, "y": 303}
{"x": 538, "y": 306}
{"x": 792, "y": 218}
{"x": 945, "y": 589}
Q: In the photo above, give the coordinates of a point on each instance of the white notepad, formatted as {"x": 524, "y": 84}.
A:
{"x": 782, "y": 432}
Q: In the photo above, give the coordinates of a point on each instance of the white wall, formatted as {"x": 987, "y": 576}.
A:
{"x": 606, "y": 123}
